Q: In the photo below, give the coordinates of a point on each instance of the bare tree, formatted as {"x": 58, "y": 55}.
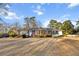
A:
{"x": 27, "y": 23}
{"x": 30, "y": 22}
{"x": 33, "y": 22}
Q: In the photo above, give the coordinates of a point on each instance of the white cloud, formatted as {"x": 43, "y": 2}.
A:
{"x": 39, "y": 7}
{"x": 2, "y": 5}
{"x": 45, "y": 24}
{"x": 4, "y": 8}
{"x": 11, "y": 15}
{"x": 73, "y": 5}
{"x": 7, "y": 6}
{"x": 74, "y": 23}
{"x": 43, "y": 3}
{"x": 6, "y": 13}
{"x": 64, "y": 17}
{"x": 39, "y": 11}
{"x": 3, "y": 12}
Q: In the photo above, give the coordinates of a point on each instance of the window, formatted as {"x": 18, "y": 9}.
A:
{"x": 55, "y": 32}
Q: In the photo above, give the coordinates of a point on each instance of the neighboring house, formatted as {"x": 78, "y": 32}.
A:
{"x": 3, "y": 29}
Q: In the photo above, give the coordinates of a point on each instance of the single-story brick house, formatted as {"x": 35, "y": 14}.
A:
{"x": 41, "y": 32}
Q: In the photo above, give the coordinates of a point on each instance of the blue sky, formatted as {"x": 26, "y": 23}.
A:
{"x": 42, "y": 11}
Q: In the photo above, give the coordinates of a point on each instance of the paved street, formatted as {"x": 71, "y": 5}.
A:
{"x": 38, "y": 47}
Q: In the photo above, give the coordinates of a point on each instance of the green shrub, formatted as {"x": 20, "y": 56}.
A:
{"x": 12, "y": 33}
{"x": 1, "y": 33}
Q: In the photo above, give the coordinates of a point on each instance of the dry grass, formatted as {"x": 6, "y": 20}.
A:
{"x": 39, "y": 46}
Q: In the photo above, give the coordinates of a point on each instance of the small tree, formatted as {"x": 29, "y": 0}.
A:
{"x": 67, "y": 27}
{"x": 54, "y": 24}
{"x": 77, "y": 26}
